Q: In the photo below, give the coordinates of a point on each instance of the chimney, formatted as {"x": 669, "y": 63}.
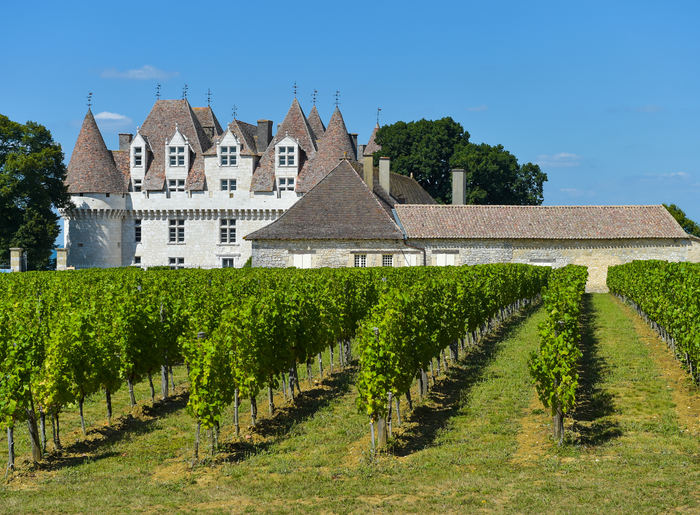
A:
{"x": 369, "y": 172}
{"x": 459, "y": 187}
{"x": 384, "y": 180}
{"x": 353, "y": 137}
{"x": 264, "y": 134}
{"x": 125, "y": 141}
{"x": 361, "y": 151}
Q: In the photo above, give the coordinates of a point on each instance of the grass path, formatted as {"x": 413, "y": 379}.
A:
{"x": 480, "y": 443}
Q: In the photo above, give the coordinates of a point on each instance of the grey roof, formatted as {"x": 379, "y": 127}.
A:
{"x": 339, "y": 207}
{"x": 372, "y": 146}
{"x": 538, "y": 222}
{"x": 316, "y": 123}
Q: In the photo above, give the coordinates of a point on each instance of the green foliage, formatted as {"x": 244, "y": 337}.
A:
{"x": 686, "y": 223}
{"x": 430, "y": 149}
{"x": 32, "y": 177}
{"x": 554, "y": 368}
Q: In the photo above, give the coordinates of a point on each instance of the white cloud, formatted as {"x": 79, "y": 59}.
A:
{"x": 665, "y": 176}
{"x": 478, "y": 108}
{"x": 144, "y": 73}
{"x": 650, "y": 109}
{"x": 560, "y": 160}
{"x": 106, "y": 115}
{"x": 112, "y": 122}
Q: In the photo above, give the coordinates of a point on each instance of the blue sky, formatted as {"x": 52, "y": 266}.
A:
{"x": 603, "y": 95}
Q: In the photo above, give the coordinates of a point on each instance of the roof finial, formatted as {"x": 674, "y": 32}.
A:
{"x": 314, "y": 96}
{"x": 208, "y": 97}
{"x": 158, "y": 92}
{"x": 337, "y": 98}
{"x": 295, "y": 89}
{"x": 184, "y": 92}
{"x": 234, "y": 111}
{"x": 378, "y": 111}
{"x": 89, "y": 97}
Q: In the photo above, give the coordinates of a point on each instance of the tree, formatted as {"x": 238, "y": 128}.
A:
{"x": 32, "y": 177}
{"x": 431, "y": 149}
{"x": 494, "y": 176}
{"x": 686, "y": 223}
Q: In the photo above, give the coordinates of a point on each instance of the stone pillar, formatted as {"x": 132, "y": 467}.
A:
{"x": 16, "y": 260}
{"x": 369, "y": 172}
{"x": 459, "y": 187}
{"x": 61, "y": 259}
{"x": 384, "y": 179}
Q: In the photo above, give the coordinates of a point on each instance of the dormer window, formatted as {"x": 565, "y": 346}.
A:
{"x": 176, "y": 185}
{"x": 137, "y": 184}
{"x": 285, "y": 184}
{"x": 285, "y": 156}
{"x": 138, "y": 156}
{"x": 177, "y": 156}
{"x": 229, "y": 156}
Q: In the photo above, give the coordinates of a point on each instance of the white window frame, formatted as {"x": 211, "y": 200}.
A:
{"x": 137, "y": 185}
{"x": 176, "y": 156}
{"x": 387, "y": 260}
{"x": 176, "y": 263}
{"x": 228, "y": 155}
{"x": 286, "y": 183}
{"x": 228, "y": 184}
{"x": 302, "y": 260}
{"x": 176, "y": 230}
{"x": 284, "y": 156}
{"x": 445, "y": 259}
{"x": 360, "y": 260}
{"x": 137, "y": 230}
{"x": 227, "y": 231}
{"x": 138, "y": 157}
{"x": 176, "y": 184}
{"x": 228, "y": 262}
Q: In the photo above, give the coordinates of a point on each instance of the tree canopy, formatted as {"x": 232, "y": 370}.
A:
{"x": 430, "y": 149}
{"x": 32, "y": 175}
{"x": 686, "y": 223}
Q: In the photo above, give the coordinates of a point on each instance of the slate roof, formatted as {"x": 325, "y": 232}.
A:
{"x": 406, "y": 188}
{"x": 246, "y": 134}
{"x": 339, "y": 207}
{"x": 92, "y": 168}
{"x": 122, "y": 160}
{"x": 336, "y": 144}
{"x": 207, "y": 118}
{"x": 316, "y": 123}
{"x": 372, "y": 146}
{"x": 296, "y": 126}
{"x": 159, "y": 126}
{"x": 538, "y": 222}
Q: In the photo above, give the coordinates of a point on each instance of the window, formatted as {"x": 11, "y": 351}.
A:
{"x": 285, "y": 156}
{"x": 387, "y": 260}
{"x": 302, "y": 260}
{"x": 361, "y": 260}
{"x": 137, "y": 184}
{"x": 138, "y": 156}
{"x": 228, "y": 184}
{"x": 177, "y": 156}
{"x": 285, "y": 184}
{"x": 176, "y": 263}
{"x": 176, "y": 184}
{"x": 444, "y": 259}
{"x": 228, "y": 156}
{"x": 228, "y": 230}
{"x": 227, "y": 263}
{"x": 137, "y": 260}
{"x": 177, "y": 231}
{"x": 137, "y": 231}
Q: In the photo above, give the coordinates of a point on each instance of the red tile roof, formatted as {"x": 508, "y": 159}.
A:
{"x": 207, "y": 118}
{"x": 297, "y": 127}
{"x": 92, "y": 168}
{"x": 316, "y": 124}
{"x": 339, "y": 207}
{"x": 372, "y": 146}
{"x": 336, "y": 144}
{"x": 538, "y": 222}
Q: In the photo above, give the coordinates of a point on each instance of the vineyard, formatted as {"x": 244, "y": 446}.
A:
{"x": 354, "y": 390}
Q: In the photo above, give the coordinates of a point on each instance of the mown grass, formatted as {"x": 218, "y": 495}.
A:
{"x": 463, "y": 449}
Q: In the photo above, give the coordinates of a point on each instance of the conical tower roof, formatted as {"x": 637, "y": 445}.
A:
{"x": 316, "y": 123}
{"x": 295, "y": 125}
{"x": 372, "y": 146}
{"x": 336, "y": 144}
{"x": 91, "y": 168}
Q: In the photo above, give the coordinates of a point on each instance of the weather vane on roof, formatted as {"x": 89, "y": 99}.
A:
{"x": 89, "y": 97}
{"x": 314, "y": 96}
{"x": 184, "y": 92}
{"x": 295, "y": 89}
{"x": 234, "y": 111}
{"x": 158, "y": 91}
{"x": 337, "y": 98}
{"x": 379, "y": 110}
{"x": 208, "y": 97}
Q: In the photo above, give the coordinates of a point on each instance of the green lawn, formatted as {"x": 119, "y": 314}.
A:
{"x": 480, "y": 443}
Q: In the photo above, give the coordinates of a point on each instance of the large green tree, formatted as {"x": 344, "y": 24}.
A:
{"x": 686, "y": 223}
{"x": 430, "y": 149}
{"x": 32, "y": 175}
